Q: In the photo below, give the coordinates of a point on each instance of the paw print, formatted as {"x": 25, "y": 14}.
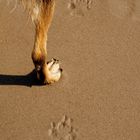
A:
{"x": 122, "y": 8}
{"x": 63, "y": 130}
{"x": 79, "y": 7}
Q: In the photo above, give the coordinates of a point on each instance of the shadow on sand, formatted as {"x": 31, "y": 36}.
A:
{"x": 23, "y": 80}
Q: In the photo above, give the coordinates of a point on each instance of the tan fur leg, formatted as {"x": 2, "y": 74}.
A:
{"x": 48, "y": 73}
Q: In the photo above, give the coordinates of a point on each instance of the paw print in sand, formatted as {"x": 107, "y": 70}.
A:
{"x": 79, "y": 7}
{"x": 122, "y": 8}
{"x": 63, "y": 130}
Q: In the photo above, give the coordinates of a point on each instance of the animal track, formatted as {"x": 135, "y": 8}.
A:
{"x": 136, "y": 15}
{"x": 79, "y": 7}
{"x": 121, "y": 8}
{"x": 63, "y": 130}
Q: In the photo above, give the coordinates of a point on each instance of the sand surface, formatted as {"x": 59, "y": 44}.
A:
{"x": 98, "y": 97}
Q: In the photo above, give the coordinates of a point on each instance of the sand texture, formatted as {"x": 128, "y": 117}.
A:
{"x": 98, "y": 96}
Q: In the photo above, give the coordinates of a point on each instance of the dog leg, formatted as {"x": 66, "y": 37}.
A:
{"x": 46, "y": 72}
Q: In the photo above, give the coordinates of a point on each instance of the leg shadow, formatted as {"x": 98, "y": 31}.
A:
{"x": 22, "y": 80}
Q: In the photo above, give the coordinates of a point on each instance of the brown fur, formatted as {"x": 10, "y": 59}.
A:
{"x": 41, "y": 12}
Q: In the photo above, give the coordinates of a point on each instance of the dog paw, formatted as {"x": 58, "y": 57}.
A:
{"x": 54, "y": 71}
{"x": 51, "y": 73}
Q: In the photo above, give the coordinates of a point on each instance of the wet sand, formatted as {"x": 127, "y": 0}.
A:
{"x": 98, "y": 97}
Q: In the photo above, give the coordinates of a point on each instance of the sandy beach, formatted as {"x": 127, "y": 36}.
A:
{"x": 98, "y": 96}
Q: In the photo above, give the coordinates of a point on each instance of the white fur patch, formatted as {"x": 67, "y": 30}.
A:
{"x": 35, "y": 13}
